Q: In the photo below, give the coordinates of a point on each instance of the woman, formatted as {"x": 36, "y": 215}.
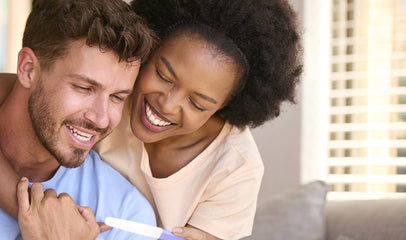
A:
{"x": 184, "y": 141}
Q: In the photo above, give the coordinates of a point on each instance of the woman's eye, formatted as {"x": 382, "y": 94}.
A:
{"x": 195, "y": 105}
{"x": 162, "y": 77}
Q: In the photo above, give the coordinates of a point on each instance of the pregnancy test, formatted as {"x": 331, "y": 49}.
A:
{"x": 141, "y": 229}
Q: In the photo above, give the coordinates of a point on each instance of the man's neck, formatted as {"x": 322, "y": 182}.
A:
{"x": 19, "y": 144}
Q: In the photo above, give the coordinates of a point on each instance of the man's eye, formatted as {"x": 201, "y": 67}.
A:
{"x": 82, "y": 88}
{"x": 195, "y": 105}
{"x": 117, "y": 99}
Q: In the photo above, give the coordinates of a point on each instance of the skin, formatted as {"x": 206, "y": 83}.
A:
{"x": 185, "y": 82}
{"x": 32, "y": 206}
{"x": 84, "y": 90}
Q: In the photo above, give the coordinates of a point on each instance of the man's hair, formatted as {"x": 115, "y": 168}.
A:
{"x": 109, "y": 24}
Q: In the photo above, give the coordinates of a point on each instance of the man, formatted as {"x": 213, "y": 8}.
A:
{"x": 78, "y": 64}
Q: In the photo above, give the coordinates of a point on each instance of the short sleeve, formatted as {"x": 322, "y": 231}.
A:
{"x": 229, "y": 207}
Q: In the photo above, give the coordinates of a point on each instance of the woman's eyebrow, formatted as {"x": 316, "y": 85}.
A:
{"x": 168, "y": 66}
{"x": 207, "y": 98}
{"x": 170, "y": 69}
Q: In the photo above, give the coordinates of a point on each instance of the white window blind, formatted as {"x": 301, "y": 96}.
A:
{"x": 367, "y": 99}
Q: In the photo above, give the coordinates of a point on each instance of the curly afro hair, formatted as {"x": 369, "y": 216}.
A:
{"x": 261, "y": 36}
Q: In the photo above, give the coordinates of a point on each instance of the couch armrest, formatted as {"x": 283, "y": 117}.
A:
{"x": 366, "y": 219}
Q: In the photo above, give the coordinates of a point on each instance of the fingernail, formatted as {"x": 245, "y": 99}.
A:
{"x": 24, "y": 179}
{"x": 177, "y": 230}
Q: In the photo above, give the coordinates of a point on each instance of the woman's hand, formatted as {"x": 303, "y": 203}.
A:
{"x": 192, "y": 233}
{"x": 45, "y": 215}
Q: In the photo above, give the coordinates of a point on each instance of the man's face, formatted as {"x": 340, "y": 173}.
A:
{"x": 79, "y": 100}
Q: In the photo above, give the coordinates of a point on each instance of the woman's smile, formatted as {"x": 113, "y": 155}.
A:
{"x": 183, "y": 84}
{"x": 152, "y": 120}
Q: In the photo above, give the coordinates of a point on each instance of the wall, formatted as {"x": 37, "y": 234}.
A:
{"x": 277, "y": 140}
{"x": 279, "y": 144}
{"x": 18, "y": 11}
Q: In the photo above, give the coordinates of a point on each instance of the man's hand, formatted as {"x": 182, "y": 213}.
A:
{"x": 191, "y": 233}
{"x": 48, "y": 216}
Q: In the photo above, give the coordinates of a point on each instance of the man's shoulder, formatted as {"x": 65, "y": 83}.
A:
{"x": 93, "y": 156}
{"x": 133, "y": 205}
{"x": 94, "y": 162}
{"x": 100, "y": 168}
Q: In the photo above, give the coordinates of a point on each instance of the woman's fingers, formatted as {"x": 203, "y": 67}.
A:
{"x": 37, "y": 193}
{"x": 23, "y": 195}
{"x": 192, "y": 233}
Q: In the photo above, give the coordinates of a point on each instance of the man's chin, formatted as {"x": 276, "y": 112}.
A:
{"x": 76, "y": 158}
{"x": 71, "y": 163}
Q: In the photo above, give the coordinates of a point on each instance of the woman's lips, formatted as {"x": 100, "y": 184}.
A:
{"x": 152, "y": 120}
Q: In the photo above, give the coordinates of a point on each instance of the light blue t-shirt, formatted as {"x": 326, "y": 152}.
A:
{"x": 94, "y": 184}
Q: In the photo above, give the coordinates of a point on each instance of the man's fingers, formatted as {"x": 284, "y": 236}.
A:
{"x": 23, "y": 196}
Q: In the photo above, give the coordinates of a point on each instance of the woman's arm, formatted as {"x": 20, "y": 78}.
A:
{"x": 8, "y": 177}
{"x": 8, "y": 194}
{"x": 7, "y": 81}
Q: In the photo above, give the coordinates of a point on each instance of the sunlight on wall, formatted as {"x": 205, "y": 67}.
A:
{"x": 3, "y": 28}
{"x": 12, "y": 31}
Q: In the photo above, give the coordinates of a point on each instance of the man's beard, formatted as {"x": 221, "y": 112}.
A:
{"x": 46, "y": 129}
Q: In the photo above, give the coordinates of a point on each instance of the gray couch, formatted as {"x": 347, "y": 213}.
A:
{"x": 304, "y": 214}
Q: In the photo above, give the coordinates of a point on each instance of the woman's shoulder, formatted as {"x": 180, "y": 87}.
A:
{"x": 237, "y": 146}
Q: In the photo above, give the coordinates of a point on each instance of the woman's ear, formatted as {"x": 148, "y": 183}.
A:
{"x": 27, "y": 67}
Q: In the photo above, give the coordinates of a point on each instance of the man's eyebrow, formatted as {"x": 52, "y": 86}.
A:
{"x": 207, "y": 98}
{"x": 168, "y": 66}
{"x": 95, "y": 83}
{"x": 86, "y": 79}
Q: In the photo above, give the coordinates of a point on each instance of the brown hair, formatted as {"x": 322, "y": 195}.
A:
{"x": 112, "y": 25}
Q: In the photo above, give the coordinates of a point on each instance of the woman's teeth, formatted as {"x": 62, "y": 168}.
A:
{"x": 154, "y": 119}
{"x": 81, "y": 136}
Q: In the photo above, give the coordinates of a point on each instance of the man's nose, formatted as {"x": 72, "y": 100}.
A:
{"x": 98, "y": 112}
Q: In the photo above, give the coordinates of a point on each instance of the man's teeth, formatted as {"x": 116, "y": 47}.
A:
{"x": 81, "y": 136}
{"x": 155, "y": 120}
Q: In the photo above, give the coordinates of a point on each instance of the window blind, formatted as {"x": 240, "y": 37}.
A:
{"x": 367, "y": 99}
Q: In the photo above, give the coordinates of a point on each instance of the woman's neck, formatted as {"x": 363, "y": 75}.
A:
{"x": 170, "y": 155}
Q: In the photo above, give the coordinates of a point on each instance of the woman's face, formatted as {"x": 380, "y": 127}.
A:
{"x": 183, "y": 84}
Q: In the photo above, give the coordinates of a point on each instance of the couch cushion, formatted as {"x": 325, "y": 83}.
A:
{"x": 297, "y": 214}
{"x": 366, "y": 219}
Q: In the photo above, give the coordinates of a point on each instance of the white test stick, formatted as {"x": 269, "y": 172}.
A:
{"x": 141, "y": 229}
